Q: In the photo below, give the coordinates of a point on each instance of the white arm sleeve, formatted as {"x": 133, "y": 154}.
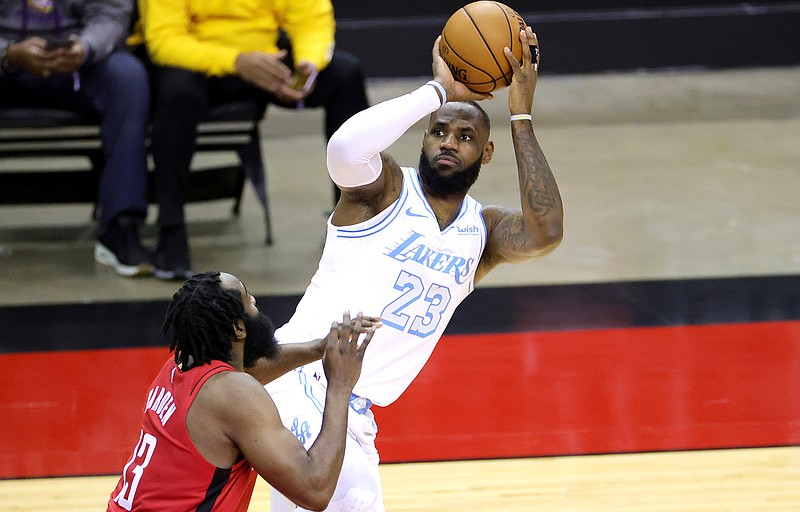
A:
{"x": 354, "y": 149}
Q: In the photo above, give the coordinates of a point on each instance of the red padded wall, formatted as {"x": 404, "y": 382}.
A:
{"x": 480, "y": 396}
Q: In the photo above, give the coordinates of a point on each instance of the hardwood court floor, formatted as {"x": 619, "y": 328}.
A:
{"x": 742, "y": 480}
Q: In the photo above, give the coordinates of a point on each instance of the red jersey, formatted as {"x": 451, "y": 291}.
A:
{"x": 166, "y": 472}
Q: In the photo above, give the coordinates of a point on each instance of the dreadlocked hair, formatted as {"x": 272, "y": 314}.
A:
{"x": 200, "y": 319}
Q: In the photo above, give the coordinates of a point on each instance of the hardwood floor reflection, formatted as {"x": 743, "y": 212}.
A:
{"x": 742, "y": 480}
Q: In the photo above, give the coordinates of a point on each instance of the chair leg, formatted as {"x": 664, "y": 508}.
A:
{"x": 97, "y": 160}
{"x": 254, "y": 168}
{"x": 241, "y": 179}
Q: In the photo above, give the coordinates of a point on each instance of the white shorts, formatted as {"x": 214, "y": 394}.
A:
{"x": 300, "y": 399}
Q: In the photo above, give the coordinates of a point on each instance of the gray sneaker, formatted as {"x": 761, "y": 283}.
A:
{"x": 120, "y": 248}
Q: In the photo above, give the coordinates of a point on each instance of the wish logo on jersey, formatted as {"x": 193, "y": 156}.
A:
{"x": 469, "y": 230}
{"x": 413, "y": 249}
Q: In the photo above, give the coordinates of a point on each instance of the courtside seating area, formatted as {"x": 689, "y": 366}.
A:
{"x": 31, "y": 136}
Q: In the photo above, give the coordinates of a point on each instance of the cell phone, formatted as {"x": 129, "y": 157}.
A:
{"x": 303, "y": 83}
{"x": 55, "y": 44}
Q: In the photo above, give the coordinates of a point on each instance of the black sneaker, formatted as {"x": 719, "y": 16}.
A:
{"x": 120, "y": 248}
{"x": 172, "y": 260}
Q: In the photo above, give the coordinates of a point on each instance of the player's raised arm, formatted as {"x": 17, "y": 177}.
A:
{"x": 354, "y": 150}
{"x": 537, "y": 230}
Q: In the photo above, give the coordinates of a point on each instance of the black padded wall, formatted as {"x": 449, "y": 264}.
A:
{"x": 394, "y": 39}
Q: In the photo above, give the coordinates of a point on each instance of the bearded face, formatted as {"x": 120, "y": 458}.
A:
{"x": 442, "y": 185}
{"x": 260, "y": 340}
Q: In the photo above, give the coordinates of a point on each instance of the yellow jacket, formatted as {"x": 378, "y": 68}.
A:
{"x": 207, "y": 35}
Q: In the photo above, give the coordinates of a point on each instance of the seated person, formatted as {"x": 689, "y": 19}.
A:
{"x": 70, "y": 56}
{"x": 208, "y": 53}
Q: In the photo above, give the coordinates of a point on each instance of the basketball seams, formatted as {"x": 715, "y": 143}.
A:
{"x": 472, "y": 44}
{"x": 487, "y": 45}
{"x": 457, "y": 54}
{"x": 511, "y": 43}
{"x": 461, "y": 57}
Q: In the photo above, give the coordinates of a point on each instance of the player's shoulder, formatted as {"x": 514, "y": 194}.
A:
{"x": 237, "y": 380}
{"x": 232, "y": 398}
{"x": 232, "y": 387}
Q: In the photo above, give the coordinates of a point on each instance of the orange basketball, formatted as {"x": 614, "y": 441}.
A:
{"x": 473, "y": 40}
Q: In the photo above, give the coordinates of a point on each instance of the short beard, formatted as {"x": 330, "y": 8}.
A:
{"x": 442, "y": 186}
{"x": 260, "y": 341}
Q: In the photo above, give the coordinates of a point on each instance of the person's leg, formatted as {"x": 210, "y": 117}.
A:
{"x": 119, "y": 90}
{"x": 26, "y": 90}
{"x": 105, "y": 96}
{"x": 180, "y": 103}
{"x": 341, "y": 91}
{"x": 299, "y": 399}
{"x": 231, "y": 88}
{"x": 301, "y": 413}
{"x": 359, "y": 487}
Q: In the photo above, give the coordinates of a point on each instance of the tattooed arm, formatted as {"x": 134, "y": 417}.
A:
{"x": 536, "y": 230}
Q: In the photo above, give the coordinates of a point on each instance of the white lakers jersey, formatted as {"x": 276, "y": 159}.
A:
{"x": 401, "y": 267}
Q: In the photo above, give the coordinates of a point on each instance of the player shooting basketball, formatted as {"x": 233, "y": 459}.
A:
{"x": 424, "y": 243}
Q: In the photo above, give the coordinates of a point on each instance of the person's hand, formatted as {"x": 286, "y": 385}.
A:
{"x": 456, "y": 91}
{"x": 367, "y": 322}
{"x": 301, "y": 83}
{"x": 67, "y": 60}
{"x": 343, "y": 352}
{"x": 32, "y": 56}
{"x": 265, "y": 70}
{"x": 526, "y": 73}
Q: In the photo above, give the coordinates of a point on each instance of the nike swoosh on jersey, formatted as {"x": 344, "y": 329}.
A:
{"x": 412, "y": 214}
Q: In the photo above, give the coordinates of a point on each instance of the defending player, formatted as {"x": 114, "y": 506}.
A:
{"x": 421, "y": 241}
{"x": 207, "y": 425}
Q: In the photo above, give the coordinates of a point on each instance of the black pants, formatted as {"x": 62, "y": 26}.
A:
{"x": 183, "y": 98}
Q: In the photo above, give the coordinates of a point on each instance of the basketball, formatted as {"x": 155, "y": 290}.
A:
{"x": 472, "y": 44}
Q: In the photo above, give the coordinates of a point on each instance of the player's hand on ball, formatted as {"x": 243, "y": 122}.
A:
{"x": 456, "y": 91}
{"x": 526, "y": 73}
